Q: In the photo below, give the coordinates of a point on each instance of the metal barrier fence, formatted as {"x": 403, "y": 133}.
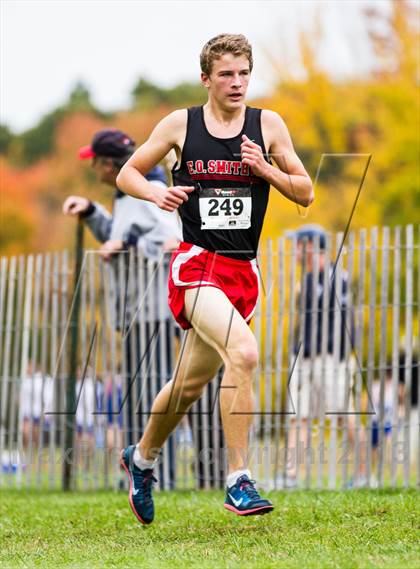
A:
{"x": 336, "y": 389}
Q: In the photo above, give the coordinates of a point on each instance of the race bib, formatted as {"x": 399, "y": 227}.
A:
{"x": 225, "y": 208}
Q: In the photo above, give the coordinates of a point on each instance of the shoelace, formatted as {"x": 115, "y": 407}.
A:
{"x": 145, "y": 486}
{"x": 248, "y": 487}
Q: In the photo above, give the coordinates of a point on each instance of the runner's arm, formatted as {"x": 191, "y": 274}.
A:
{"x": 131, "y": 178}
{"x": 290, "y": 178}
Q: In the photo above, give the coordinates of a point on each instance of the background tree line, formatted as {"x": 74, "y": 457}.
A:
{"x": 342, "y": 121}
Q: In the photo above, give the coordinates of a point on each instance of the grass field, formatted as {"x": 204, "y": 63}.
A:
{"x": 307, "y": 530}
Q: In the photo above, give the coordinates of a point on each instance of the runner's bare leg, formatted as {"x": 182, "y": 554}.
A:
{"x": 220, "y": 325}
{"x": 220, "y": 332}
{"x": 197, "y": 365}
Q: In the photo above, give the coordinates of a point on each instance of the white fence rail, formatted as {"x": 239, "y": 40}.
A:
{"x": 336, "y": 389}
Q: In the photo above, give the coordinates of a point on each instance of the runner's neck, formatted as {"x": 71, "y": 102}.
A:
{"x": 221, "y": 123}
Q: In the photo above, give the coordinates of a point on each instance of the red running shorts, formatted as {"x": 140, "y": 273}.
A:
{"x": 193, "y": 267}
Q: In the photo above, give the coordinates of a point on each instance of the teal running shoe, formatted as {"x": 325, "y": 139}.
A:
{"x": 243, "y": 499}
{"x": 141, "y": 484}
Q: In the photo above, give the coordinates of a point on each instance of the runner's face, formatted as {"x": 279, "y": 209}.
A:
{"x": 228, "y": 81}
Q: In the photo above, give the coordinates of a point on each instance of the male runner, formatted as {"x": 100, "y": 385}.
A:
{"x": 221, "y": 186}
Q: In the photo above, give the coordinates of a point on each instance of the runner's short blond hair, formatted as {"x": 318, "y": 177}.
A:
{"x": 221, "y": 44}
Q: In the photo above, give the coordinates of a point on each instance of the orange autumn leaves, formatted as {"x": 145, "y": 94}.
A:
{"x": 375, "y": 114}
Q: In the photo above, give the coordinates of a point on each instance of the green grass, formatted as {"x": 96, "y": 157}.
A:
{"x": 306, "y": 530}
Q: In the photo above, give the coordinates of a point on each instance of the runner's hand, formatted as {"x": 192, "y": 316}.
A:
{"x": 111, "y": 247}
{"x": 75, "y": 205}
{"x": 171, "y": 198}
{"x": 252, "y": 155}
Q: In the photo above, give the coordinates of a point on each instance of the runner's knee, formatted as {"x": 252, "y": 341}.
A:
{"x": 244, "y": 357}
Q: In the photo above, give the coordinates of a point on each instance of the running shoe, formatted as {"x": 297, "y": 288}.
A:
{"x": 141, "y": 484}
{"x": 243, "y": 499}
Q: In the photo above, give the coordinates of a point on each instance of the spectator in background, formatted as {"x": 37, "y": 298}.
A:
{"x": 132, "y": 222}
{"x": 89, "y": 395}
{"x": 306, "y": 394}
{"x": 413, "y": 373}
{"x": 387, "y": 413}
{"x": 113, "y": 403}
{"x": 36, "y": 400}
{"x": 143, "y": 225}
{"x": 396, "y": 408}
{"x": 409, "y": 376}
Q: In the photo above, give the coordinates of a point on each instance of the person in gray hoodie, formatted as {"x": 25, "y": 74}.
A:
{"x": 133, "y": 221}
{"x": 141, "y": 224}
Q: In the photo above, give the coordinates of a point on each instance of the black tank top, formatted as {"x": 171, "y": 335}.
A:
{"x": 226, "y": 211}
